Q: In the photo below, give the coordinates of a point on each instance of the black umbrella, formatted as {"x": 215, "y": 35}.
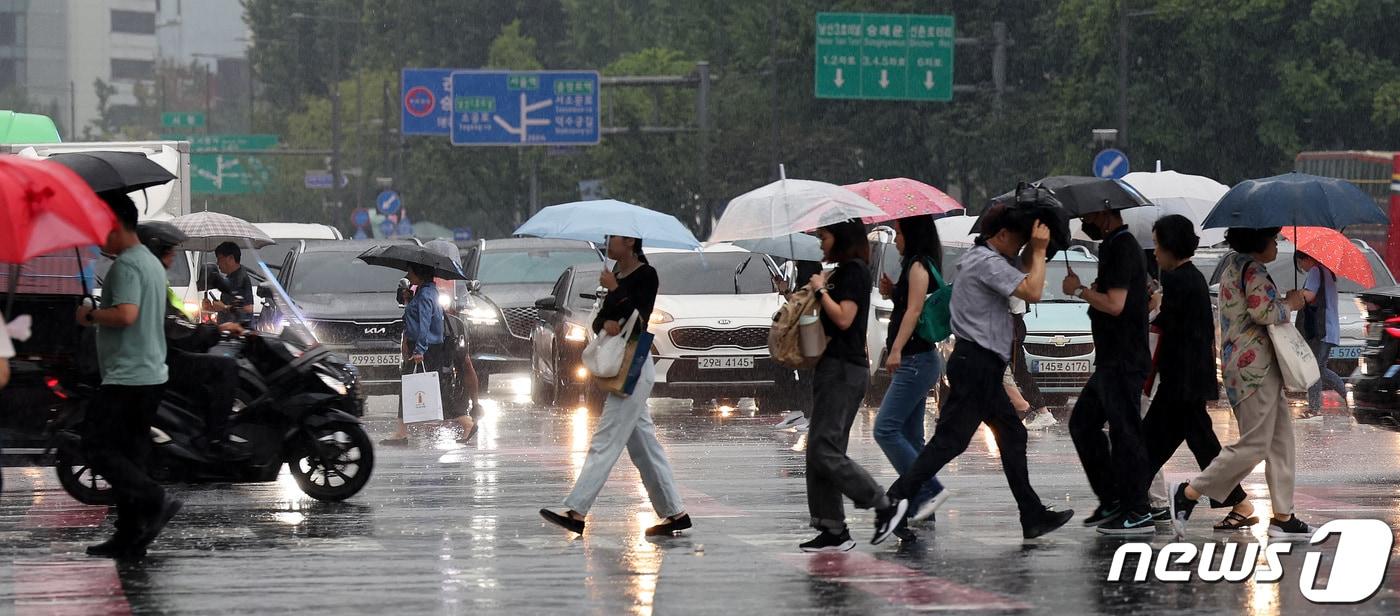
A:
{"x": 401, "y": 256}
{"x": 1029, "y": 203}
{"x": 115, "y": 171}
{"x": 1080, "y": 195}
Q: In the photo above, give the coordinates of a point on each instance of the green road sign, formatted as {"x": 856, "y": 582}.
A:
{"x": 182, "y": 119}
{"x": 884, "y": 56}
{"x": 216, "y": 170}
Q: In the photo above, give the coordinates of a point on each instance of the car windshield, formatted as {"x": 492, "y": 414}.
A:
{"x": 529, "y": 266}
{"x": 178, "y": 274}
{"x": 711, "y": 273}
{"x": 1282, "y": 271}
{"x": 274, "y": 254}
{"x": 340, "y": 272}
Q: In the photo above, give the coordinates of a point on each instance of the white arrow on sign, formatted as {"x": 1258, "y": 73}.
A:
{"x": 1112, "y": 166}
{"x": 884, "y": 78}
{"x": 839, "y": 81}
{"x": 525, "y": 120}
{"x": 928, "y": 80}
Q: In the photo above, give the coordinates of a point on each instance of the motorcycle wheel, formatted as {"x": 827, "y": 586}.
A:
{"x": 333, "y": 463}
{"x": 80, "y": 481}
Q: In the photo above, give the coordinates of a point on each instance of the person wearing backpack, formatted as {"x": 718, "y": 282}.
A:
{"x": 913, "y": 361}
{"x": 839, "y": 382}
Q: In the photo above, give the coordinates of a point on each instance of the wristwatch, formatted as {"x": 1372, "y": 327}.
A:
{"x": 1079, "y": 293}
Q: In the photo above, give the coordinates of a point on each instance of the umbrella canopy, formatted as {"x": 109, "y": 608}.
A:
{"x": 209, "y": 229}
{"x": 789, "y": 206}
{"x": 1170, "y": 192}
{"x": 27, "y": 128}
{"x": 903, "y": 197}
{"x": 401, "y": 256}
{"x": 956, "y": 230}
{"x": 1295, "y": 199}
{"x": 45, "y": 207}
{"x": 1080, "y": 195}
{"x": 115, "y": 171}
{"x": 795, "y": 247}
{"x": 1334, "y": 251}
{"x": 593, "y": 221}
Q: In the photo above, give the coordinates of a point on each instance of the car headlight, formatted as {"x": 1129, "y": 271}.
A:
{"x": 482, "y": 315}
{"x": 445, "y": 301}
{"x": 660, "y": 316}
{"x": 335, "y": 384}
{"x": 576, "y": 333}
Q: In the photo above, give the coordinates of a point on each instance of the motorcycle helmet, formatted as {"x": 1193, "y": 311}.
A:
{"x": 159, "y": 237}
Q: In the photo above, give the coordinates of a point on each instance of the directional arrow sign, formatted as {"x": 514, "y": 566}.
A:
{"x": 1111, "y": 163}
{"x": 525, "y": 108}
{"x": 884, "y": 56}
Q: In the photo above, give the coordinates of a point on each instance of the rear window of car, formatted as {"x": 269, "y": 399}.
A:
{"x": 340, "y": 272}
{"x": 529, "y": 266}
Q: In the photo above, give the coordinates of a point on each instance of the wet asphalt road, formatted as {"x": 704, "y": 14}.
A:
{"x": 449, "y": 529}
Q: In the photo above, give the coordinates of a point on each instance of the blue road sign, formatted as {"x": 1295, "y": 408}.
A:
{"x": 426, "y": 99}
{"x": 388, "y": 202}
{"x": 1111, "y": 163}
{"x": 461, "y": 234}
{"x": 360, "y": 217}
{"x": 525, "y": 108}
{"x": 386, "y": 227}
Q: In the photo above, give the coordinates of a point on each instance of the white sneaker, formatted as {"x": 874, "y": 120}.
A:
{"x": 788, "y": 420}
{"x": 931, "y": 505}
{"x": 1040, "y": 419}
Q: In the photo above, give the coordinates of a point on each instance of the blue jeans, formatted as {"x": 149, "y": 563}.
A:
{"x": 1329, "y": 380}
{"x": 899, "y": 426}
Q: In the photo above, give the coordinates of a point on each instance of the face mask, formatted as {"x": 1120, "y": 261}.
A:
{"x": 1092, "y": 230}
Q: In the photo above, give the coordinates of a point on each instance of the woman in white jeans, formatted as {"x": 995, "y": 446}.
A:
{"x": 626, "y": 422}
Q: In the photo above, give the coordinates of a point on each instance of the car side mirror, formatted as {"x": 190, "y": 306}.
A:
{"x": 546, "y": 303}
{"x": 473, "y": 285}
{"x": 265, "y": 291}
{"x": 592, "y": 296}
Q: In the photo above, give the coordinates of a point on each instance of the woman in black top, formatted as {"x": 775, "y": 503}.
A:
{"x": 839, "y": 384}
{"x": 1185, "y": 364}
{"x": 913, "y": 363}
{"x": 626, "y": 421}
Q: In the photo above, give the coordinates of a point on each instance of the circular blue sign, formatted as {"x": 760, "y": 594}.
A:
{"x": 388, "y": 202}
{"x": 386, "y": 227}
{"x": 360, "y": 218}
{"x": 1111, "y": 164}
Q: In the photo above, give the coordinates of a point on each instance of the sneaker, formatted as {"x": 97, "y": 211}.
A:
{"x": 888, "y": 519}
{"x": 1129, "y": 523}
{"x": 1039, "y": 419}
{"x": 1180, "y": 508}
{"x": 564, "y": 521}
{"x": 830, "y": 542}
{"x": 116, "y": 547}
{"x": 905, "y": 534}
{"x": 672, "y": 527}
{"x": 1103, "y": 513}
{"x": 926, "y": 509}
{"x": 1044, "y": 522}
{"x": 169, "y": 506}
{"x": 1161, "y": 514}
{"x": 788, "y": 420}
{"x": 1292, "y": 527}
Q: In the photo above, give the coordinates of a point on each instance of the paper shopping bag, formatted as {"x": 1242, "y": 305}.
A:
{"x": 421, "y": 399}
{"x": 638, "y": 352}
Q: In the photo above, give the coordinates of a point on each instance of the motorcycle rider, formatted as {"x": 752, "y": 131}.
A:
{"x": 211, "y": 378}
{"x": 235, "y": 303}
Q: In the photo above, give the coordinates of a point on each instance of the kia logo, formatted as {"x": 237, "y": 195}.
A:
{"x": 376, "y": 330}
{"x": 725, "y": 321}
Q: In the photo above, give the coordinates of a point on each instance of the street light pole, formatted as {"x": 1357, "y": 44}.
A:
{"x": 1123, "y": 73}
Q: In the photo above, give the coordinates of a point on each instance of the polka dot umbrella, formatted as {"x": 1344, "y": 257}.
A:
{"x": 1334, "y": 251}
{"x": 903, "y": 197}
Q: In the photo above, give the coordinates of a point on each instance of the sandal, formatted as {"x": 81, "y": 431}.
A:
{"x": 1235, "y": 521}
{"x": 395, "y": 442}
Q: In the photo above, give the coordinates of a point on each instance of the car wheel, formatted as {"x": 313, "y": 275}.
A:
{"x": 543, "y": 393}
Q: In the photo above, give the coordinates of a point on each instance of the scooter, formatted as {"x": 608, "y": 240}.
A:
{"x": 296, "y": 403}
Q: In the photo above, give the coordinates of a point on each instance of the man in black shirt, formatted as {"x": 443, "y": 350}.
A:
{"x": 1118, "y": 317}
{"x": 235, "y": 304}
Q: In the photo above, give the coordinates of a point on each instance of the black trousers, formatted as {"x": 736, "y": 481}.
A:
{"x": 117, "y": 437}
{"x": 210, "y": 379}
{"x": 838, "y": 388}
{"x": 1172, "y": 420}
{"x": 1116, "y": 464}
{"x": 975, "y": 396}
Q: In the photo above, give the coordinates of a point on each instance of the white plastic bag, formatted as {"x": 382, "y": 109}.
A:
{"x": 604, "y": 354}
{"x": 421, "y": 398}
{"x": 1295, "y": 358}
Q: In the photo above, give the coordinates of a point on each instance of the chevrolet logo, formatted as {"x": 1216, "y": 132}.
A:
{"x": 1059, "y": 341}
{"x": 371, "y": 331}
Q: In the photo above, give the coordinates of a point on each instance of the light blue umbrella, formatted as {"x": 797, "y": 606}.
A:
{"x": 593, "y": 221}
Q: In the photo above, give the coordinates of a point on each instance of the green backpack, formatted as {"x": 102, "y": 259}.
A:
{"x": 936, "y": 320}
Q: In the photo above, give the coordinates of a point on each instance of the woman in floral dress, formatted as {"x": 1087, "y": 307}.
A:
{"x": 1249, "y": 304}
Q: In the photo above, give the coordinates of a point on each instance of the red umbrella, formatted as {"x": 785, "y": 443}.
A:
{"x": 903, "y": 197}
{"x": 46, "y": 207}
{"x": 1334, "y": 251}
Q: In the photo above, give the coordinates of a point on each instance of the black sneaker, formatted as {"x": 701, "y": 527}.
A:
{"x": 1103, "y": 513}
{"x": 563, "y": 521}
{"x": 1288, "y": 529}
{"x": 1161, "y": 514}
{"x": 1129, "y": 523}
{"x": 168, "y": 508}
{"x": 905, "y": 534}
{"x": 116, "y": 547}
{"x": 1180, "y": 509}
{"x": 1044, "y": 521}
{"x": 830, "y": 542}
{"x": 672, "y": 527}
{"x": 888, "y": 519}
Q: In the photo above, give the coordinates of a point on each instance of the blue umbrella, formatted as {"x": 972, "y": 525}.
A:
{"x": 1294, "y": 200}
{"x": 592, "y": 221}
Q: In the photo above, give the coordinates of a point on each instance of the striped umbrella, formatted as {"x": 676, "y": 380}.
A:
{"x": 209, "y": 229}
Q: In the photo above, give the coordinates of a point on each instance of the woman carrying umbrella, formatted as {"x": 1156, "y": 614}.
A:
{"x": 1320, "y": 326}
{"x": 626, "y": 421}
{"x": 423, "y": 348}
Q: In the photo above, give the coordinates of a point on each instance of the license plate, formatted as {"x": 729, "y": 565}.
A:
{"x": 725, "y": 363}
{"x": 1051, "y": 365}
{"x": 1351, "y": 352}
{"x": 375, "y": 359}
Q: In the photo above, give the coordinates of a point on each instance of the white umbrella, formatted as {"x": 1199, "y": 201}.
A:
{"x": 789, "y": 206}
{"x": 1170, "y": 192}
{"x": 956, "y": 230}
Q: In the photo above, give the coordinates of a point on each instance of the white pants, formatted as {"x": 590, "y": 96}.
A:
{"x": 626, "y": 422}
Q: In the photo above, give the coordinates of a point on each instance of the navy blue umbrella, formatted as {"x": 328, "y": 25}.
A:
{"x": 1294, "y": 200}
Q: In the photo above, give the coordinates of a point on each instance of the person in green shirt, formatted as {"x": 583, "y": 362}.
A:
{"x": 131, "y": 357}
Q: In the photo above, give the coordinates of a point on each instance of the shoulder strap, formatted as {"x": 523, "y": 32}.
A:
{"x": 933, "y": 271}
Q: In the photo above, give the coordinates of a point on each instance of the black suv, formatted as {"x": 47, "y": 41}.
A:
{"x": 351, "y": 306}
{"x": 1376, "y": 394}
{"x": 506, "y": 277}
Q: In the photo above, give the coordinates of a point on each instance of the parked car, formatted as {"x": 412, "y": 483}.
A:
{"x": 557, "y": 374}
{"x": 1346, "y": 356}
{"x": 286, "y": 234}
{"x": 1376, "y": 390}
{"x": 349, "y": 305}
{"x": 505, "y": 279}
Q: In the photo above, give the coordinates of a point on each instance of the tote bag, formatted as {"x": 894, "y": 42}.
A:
{"x": 420, "y": 397}
{"x": 1295, "y": 359}
{"x": 625, "y": 383}
{"x": 605, "y": 354}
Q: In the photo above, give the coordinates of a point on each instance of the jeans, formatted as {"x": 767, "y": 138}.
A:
{"x": 1116, "y": 465}
{"x": 838, "y": 389}
{"x": 117, "y": 438}
{"x": 626, "y": 422}
{"x": 976, "y": 396}
{"x": 899, "y": 426}
{"x": 1329, "y": 380}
